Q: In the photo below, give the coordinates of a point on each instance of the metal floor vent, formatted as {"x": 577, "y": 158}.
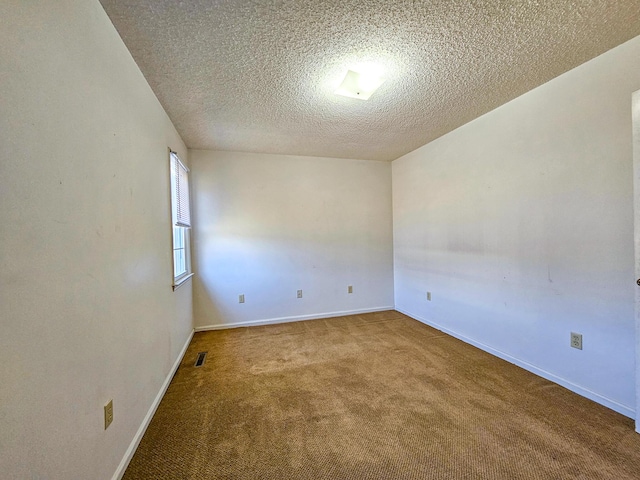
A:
{"x": 200, "y": 360}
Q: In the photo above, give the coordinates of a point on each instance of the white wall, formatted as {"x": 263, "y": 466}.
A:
{"x": 521, "y": 224}
{"x": 268, "y": 225}
{"x": 86, "y": 306}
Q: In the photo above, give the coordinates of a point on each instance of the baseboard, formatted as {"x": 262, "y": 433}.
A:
{"x": 270, "y": 321}
{"x": 607, "y": 402}
{"x": 147, "y": 419}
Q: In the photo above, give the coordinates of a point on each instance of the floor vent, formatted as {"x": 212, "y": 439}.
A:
{"x": 200, "y": 360}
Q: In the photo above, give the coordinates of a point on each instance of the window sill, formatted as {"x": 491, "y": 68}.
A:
{"x": 178, "y": 283}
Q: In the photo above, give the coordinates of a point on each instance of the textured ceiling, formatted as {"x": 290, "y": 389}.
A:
{"x": 259, "y": 76}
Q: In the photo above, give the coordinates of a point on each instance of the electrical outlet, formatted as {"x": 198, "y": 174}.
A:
{"x": 241, "y": 298}
{"x": 576, "y": 340}
{"x": 299, "y": 293}
{"x": 429, "y": 296}
{"x": 108, "y": 414}
{"x": 350, "y": 289}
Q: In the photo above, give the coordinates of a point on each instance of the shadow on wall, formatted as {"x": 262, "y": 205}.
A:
{"x": 207, "y": 312}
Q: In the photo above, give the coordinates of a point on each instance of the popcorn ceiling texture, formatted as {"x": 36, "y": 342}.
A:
{"x": 259, "y": 76}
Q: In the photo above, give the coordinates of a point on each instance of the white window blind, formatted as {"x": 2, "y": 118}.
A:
{"x": 180, "y": 190}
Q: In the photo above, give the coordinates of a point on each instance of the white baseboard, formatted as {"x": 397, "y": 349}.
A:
{"x": 147, "y": 419}
{"x": 270, "y": 321}
{"x": 607, "y": 402}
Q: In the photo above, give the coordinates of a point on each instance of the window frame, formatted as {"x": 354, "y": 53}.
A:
{"x": 182, "y": 224}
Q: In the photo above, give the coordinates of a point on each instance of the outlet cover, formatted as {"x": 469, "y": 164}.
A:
{"x": 576, "y": 340}
{"x": 299, "y": 293}
{"x": 108, "y": 414}
{"x": 241, "y": 298}
{"x": 350, "y": 289}
{"x": 429, "y": 296}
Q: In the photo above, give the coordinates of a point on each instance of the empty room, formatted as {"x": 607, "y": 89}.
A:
{"x": 304, "y": 239}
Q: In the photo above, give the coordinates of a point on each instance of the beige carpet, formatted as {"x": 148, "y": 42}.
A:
{"x": 375, "y": 396}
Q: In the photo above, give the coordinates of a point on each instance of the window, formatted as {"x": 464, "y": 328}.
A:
{"x": 179, "y": 253}
{"x": 181, "y": 220}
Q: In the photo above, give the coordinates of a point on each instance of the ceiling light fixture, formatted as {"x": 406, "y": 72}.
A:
{"x": 359, "y": 85}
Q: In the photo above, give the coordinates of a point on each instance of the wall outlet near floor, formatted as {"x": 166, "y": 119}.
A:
{"x": 429, "y": 296}
{"x": 108, "y": 414}
{"x": 350, "y": 289}
{"x": 299, "y": 293}
{"x": 241, "y": 298}
{"x": 576, "y": 340}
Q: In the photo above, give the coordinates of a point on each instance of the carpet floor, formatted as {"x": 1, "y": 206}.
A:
{"x": 374, "y": 396}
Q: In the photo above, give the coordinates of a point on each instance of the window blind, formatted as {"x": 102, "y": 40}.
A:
{"x": 180, "y": 186}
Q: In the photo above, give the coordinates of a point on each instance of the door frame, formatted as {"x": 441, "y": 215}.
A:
{"x": 635, "y": 108}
